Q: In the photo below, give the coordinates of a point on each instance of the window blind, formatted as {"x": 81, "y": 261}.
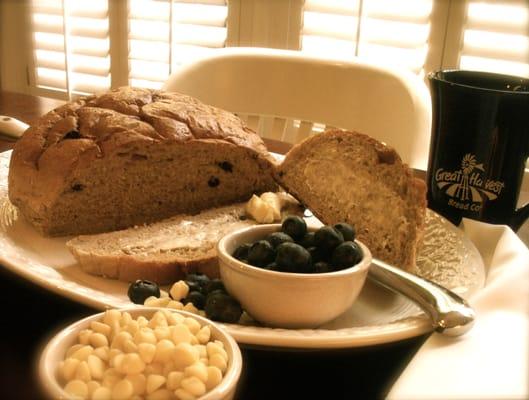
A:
{"x": 71, "y": 45}
{"x": 496, "y": 37}
{"x": 165, "y": 34}
{"x": 384, "y": 31}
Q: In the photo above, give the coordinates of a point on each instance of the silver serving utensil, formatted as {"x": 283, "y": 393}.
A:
{"x": 450, "y": 314}
{"x": 11, "y": 128}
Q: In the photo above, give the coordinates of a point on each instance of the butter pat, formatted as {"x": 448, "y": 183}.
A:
{"x": 266, "y": 208}
{"x": 274, "y": 202}
{"x": 260, "y": 210}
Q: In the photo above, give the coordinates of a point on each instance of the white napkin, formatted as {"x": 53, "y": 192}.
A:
{"x": 491, "y": 360}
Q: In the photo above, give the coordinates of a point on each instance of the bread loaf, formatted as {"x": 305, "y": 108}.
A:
{"x": 133, "y": 156}
{"x": 163, "y": 252}
{"x": 348, "y": 176}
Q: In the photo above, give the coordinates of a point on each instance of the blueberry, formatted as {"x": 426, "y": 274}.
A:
{"x": 317, "y": 254}
{"x": 222, "y": 307}
{"x": 292, "y": 257}
{"x": 261, "y": 253}
{"x": 197, "y": 298}
{"x": 193, "y": 286}
{"x": 294, "y": 226}
{"x": 307, "y": 240}
{"x": 327, "y": 238}
{"x": 241, "y": 252}
{"x": 347, "y": 231}
{"x": 321, "y": 267}
{"x": 273, "y": 267}
{"x": 141, "y": 289}
{"x": 199, "y": 279}
{"x": 214, "y": 284}
{"x": 276, "y": 238}
{"x": 346, "y": 255}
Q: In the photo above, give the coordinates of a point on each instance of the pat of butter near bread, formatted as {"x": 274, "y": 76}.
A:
{"x": 266, "y": 208}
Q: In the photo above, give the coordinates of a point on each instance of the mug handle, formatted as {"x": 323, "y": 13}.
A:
{"x": 521, "y": 214}
{"x": 519, "y": 217}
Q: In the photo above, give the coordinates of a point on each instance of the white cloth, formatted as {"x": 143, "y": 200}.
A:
{"x": 491, "y": 360}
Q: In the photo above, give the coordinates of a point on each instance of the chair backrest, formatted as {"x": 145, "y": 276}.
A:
{"x": 288, "y": 95}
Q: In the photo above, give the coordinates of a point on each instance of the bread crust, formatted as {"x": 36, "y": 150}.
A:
{"x": 393, "y": 173}
{"x": 67, "y": 142}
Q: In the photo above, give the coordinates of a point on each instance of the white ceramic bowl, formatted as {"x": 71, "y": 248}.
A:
{"x": 55, "y": 350}
{"x": 288, "y": 300}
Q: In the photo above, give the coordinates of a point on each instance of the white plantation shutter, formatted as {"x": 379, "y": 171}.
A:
{"x": 71, "y": 46}
{"x": 488, "y": 35}
{"x": 164, "y": 34}
{"x": 496, "y": 37}
{"x": 386, "y": 31}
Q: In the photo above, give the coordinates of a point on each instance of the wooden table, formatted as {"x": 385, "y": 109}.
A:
{"x": 31, "y": 315}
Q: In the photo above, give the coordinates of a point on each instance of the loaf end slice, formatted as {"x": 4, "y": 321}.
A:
{"x": 347, "y": 176}
{"x": 163, "y": 252}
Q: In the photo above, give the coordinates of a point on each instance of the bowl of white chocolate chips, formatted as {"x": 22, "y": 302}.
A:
{"x": 141, "y": 353}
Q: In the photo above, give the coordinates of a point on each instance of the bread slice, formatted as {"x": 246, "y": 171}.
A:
{"x": 133, "y": 156}
{"x": 162, "y": 252}
{"x": 348, "y": 176}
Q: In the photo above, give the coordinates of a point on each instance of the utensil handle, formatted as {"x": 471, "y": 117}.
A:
{"x": 450, "y": 314}
{"x": 11, "y": 128}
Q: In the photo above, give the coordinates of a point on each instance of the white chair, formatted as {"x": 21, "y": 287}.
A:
{"x": 287, "y": 95}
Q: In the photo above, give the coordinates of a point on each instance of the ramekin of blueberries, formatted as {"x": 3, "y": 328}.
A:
{"x": 295, "y": 249}
{"x": 291, "y": 276}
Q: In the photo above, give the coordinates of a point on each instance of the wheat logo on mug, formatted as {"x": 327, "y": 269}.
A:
{"x": 467, "y": 187}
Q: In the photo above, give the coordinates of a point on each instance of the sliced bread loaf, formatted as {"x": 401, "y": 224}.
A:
{"x": 133, "y": 156}
{"x": 162, "y": 252}
{"x": 348, "y": 176}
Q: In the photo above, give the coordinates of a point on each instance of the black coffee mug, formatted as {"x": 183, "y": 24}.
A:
{"x": 479, "y": 146}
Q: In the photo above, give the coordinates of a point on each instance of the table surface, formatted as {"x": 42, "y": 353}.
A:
{"x": 34, "y": 314}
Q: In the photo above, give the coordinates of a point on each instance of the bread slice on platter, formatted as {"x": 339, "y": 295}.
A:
{"x": 163, "y": 252}
{"x": 348, "y": 176}
{"x": 133, "y": 156}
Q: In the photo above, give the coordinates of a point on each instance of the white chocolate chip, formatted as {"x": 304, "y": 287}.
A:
{"x": 96, "y": 366}
{"x": 98, "y": 340}
{"x": 146, "y": 352}
{"x": 68, "y": 367}
{"x": 204, "y": 334}
{"x": 92, "y": 386}
{"x": 179, "y": 290}
{"x": 198, "y": 370}
{"x": 182, "y": 394}
{"x": 184, "y": 355}
{"x": 77, "y": 389}
{"x": 214, "y": 377}
{"x": 102, "y": 352}
{"x": 122, "y": 390}
{"x": 73, "y": 349}
{"x": 84, "y": 336}
{"x": 193, "y": 385}
{"x": 83, "y": 353}
{"x": 102, "y": 393}
{"x": 173, "y": 380}
{"x": 191, "y": 308}
{"x": 164, "y": 351}
{"x": 154, "y": 382}
{"x": 193, "y": 325}
{"x": 180, "y": 334}
{"x": 216, "y": 360}
{"x": 139, "y": 383}
{"x": 100, "y": 327}
{"x": 161, "y": 394}
{"x": 175, "y": 305}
